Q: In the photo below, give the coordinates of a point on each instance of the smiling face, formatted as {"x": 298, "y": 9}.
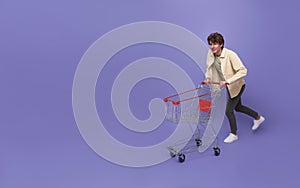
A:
{"x": 216, "y": 48}
{"x": 216, "y": 43}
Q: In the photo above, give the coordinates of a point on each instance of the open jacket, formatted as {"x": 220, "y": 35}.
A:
{"x": 232, "y": 68}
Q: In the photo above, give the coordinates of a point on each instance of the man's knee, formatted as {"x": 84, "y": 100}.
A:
{"x": 238, "y": 109}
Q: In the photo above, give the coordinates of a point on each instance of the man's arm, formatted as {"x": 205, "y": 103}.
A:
{"x": 238, "y": 66}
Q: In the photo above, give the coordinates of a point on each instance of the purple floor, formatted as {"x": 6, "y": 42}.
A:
{"x": 42, "y": 43}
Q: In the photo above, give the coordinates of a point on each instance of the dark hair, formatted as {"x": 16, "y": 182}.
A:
{"x": 215, "y": 38}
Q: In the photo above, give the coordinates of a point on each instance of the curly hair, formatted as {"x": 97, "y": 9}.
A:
{"x": 216, "y": 38}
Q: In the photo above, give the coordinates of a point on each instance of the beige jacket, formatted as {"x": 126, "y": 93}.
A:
{"x": 232, "y": 68}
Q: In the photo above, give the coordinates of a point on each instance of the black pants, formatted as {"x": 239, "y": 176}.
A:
{"x": 236, "y": 104}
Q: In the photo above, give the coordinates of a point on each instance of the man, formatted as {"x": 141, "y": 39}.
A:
{"x": 224, "y": 66}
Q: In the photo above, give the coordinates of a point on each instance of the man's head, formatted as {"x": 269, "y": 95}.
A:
{"x": 216, "y": 42}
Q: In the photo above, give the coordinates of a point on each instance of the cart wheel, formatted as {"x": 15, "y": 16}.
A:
{"x": 181, "y": 158}
{"x": 172, "y": 154}
{"x": 217, "y": 151}
{"x": 198, "y": 142}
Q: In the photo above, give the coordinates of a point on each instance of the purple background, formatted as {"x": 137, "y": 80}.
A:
{"x": 42, "y": 42}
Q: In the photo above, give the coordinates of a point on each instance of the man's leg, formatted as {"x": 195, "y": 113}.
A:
{"x": 246, "y": 110}
{"x": 231, "y": 105}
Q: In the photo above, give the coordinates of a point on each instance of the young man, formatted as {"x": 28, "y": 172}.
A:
{"x": 224, "y": 66}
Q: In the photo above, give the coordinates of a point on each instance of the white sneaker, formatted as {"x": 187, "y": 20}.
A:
{"x": 231, "y": 138}
{"x": 256, "y": 123}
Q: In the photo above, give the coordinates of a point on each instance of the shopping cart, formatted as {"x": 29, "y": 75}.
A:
{"x": 194, "y": 108}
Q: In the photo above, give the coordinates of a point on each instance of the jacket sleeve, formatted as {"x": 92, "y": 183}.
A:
{"x": 238, "y": 67}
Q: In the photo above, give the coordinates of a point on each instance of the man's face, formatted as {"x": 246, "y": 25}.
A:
{"x": 216, "y": 48}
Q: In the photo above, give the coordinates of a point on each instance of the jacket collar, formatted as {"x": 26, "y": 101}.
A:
{"x": 223, "y": 53}
{"x": 212, "y": 57}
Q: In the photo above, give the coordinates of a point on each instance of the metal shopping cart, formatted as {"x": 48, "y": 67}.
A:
{"x": 196, "y": 109}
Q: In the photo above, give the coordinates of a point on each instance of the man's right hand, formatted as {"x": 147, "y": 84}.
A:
{"x": 206, "y": 81}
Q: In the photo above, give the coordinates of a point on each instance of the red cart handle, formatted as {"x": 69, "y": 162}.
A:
{"x": 167, "y": 99}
